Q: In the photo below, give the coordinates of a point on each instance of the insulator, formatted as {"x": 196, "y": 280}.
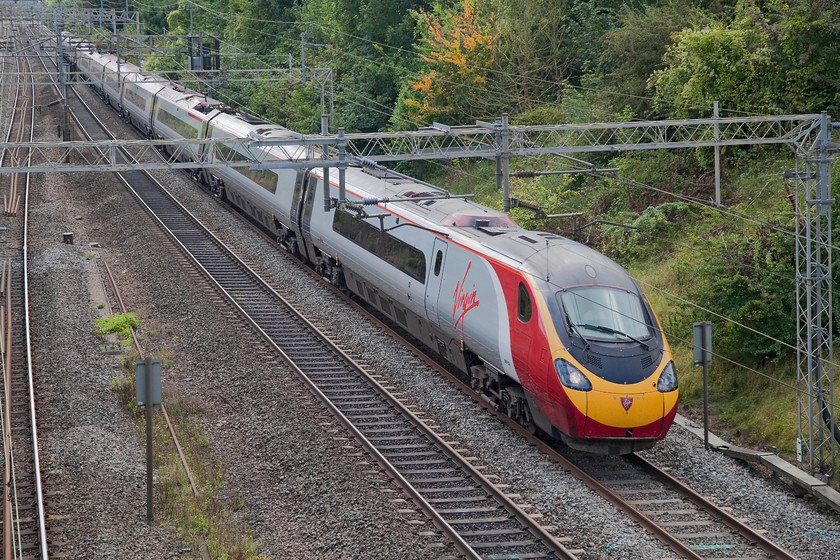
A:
{"x": 370, "y": 201}
{"x": 367, "y": 162}
{"x": 527, "y": 174}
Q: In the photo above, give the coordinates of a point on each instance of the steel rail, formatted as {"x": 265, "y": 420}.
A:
{"x": 6, "y": 329}
{"x": 42, "y": 525}
{"x": 12, "y": 538}
{"x": 722, "y": 515}
{"x": 39, "y": 491}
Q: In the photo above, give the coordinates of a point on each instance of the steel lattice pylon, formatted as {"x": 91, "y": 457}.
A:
{"x": 816, "y": 446}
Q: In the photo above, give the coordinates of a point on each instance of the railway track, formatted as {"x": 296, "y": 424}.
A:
{"x": 23, "y": 520}
{"x": 682, "y": 519}
{"x": 471, "y": 511}
{"x": 679, "y": 517}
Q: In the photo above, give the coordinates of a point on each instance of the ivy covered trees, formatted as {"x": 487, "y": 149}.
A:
{"x": 772, "y": 57}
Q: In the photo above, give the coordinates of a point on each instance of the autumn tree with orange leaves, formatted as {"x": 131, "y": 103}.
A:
{"x": 459, "y": 82}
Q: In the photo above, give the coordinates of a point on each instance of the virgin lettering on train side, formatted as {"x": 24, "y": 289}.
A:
{"x": 463, "y": 300}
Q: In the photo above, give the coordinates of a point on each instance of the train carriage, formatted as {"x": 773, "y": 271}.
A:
{"x": 174, "y": 116}
{"x": 252, "y": 190}
{"x": 138, "y": 96}
{"x": 555, "y": 333}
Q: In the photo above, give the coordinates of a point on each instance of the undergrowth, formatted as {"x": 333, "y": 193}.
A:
{"x": 118, "y": 323}
{"x": 211, "y": 514}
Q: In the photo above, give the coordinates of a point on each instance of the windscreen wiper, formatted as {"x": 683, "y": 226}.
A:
{"x": 610, "y": 330}
{"x": 575, "y": 328}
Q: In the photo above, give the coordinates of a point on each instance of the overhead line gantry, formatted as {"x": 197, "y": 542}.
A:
{"x": 808, "y": 136}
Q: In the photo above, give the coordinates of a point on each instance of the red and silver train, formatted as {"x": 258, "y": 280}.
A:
{"x": 553, "y": 332}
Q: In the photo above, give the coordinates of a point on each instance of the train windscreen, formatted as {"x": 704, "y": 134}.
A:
{"x": 605, "y": 314}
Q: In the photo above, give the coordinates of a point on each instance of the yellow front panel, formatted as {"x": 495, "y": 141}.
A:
{"x": 609, "y": 408}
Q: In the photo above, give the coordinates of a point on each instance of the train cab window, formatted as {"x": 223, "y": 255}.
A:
{"x": 438, "y": 262}
{"x": 525, "y": 306}
{"x": 603, "y": 313}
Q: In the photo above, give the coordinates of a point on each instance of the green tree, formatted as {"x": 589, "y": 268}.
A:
{"x": 634, "y": 50}
{"x": 774, "y": 57}
{"x": 369, "y": 46}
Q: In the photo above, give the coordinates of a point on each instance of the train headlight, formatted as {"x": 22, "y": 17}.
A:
{"x": 668, "y": 380}
{"x": 571, "y": 377}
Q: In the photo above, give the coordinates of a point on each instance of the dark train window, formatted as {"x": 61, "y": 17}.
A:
{"x": 438, "y": 262}
{"x": 395, "y": 252}
{"x": 173, "y": 121}
{"x": 525, "y": 307}
{"x": 264, "y": 178}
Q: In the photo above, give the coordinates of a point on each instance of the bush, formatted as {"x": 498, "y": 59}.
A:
{"x": 120, "y": 323}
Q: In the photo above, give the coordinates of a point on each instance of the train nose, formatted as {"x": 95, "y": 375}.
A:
{"x": 622, "y": 414}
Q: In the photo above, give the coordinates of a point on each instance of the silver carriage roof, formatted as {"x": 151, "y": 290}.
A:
{"x": 429, "y": 202}
{"x": 545, "y": 256}
{"x": 557, "y": 262}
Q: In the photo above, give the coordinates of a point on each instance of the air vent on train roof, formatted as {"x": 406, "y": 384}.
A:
{"x": 419, "y": 194}
{"x": 528, "y": 239}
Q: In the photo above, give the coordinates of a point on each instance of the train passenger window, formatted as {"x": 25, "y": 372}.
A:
{"x": 525, "y": 307}
{"x": 438, "y": 262}
{"x": 396, "y": 252}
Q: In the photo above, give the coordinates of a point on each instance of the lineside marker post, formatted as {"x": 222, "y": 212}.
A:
{"x": 147, "y": 373}
{"x": 703, "y": 356}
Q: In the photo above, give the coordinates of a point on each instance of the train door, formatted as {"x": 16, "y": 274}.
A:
{"x": 121, "y": 84}
{"x": 303, "y": 202}
{"x": 529, "y": 355}
{"x": 435, "y": 279}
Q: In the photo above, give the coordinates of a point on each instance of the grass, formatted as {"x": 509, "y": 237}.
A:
{"x": 211, "y": 513}
{"x": 118, "y": 323}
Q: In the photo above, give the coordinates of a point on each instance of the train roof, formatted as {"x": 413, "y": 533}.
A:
{"x": 553, "y": 260}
